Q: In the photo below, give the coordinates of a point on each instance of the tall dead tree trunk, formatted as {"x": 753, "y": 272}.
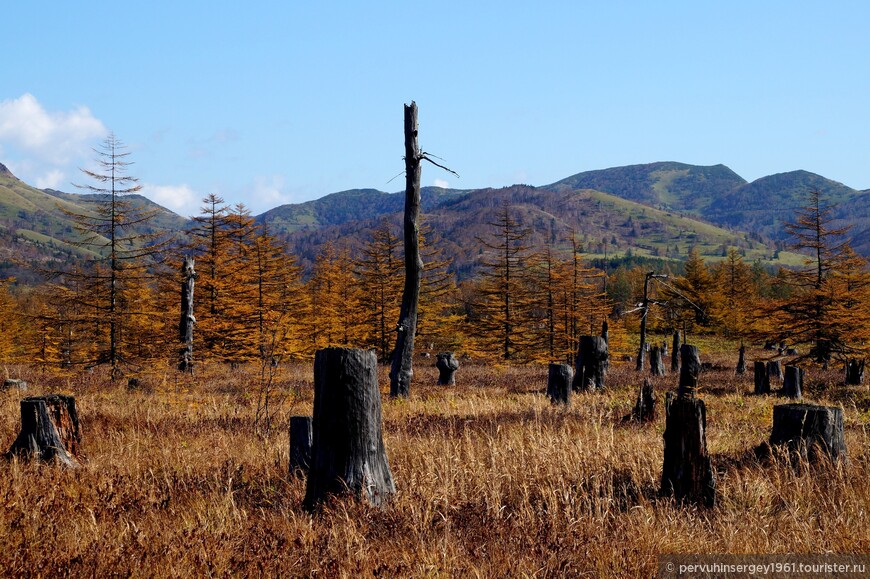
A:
{"x": 401, "y": 371}
{"x": 559, "y": 378}
{"x": 762, "y": 378}
{"x": 605, "y": 331}
{"x": 49, "y": 430}
{"x": 348, "y": 454}
{"x": 593, "y": 360}
{"x": 644, "y": 313}
{"x": 187, "y": 321}
{"x": 675, "y": 352}
{"x": 741, "y": 361}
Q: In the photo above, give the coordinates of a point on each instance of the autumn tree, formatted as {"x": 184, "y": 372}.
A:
{"x": 380, "y": 279}
{"x": 441, "y": 319}
{"x": 335, "y": 297}
{"x": 738, "y": 295}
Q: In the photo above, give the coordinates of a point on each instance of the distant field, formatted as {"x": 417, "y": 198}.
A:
{"x": 491, "y": 481}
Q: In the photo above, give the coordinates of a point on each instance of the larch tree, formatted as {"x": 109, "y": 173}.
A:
{"x": 380, "y": 278}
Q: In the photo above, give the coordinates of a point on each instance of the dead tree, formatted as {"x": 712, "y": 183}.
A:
{"x": 347, "y": 454}
{"x": 605, "y": 331}
{"x": 774, "y": 369}
{"x": 447, "y": 365}
{"x": 809, "y": 431}
{"x": 559, "y": 377}
{"x": 675, "y": 352}
{"x": 187, "y": 321}
{"x": 591, "y": 364}
{"x": 792, "y": 384}
{"x": 854, "y": 372}
{"x": 645, "y": 407}
{"x": 687, "y": 473}
{"x": 300, "y": 444}
{"x": 49, "y": 430}
{"x": 656, "y": 364}
{"x": 741, "y": 360}
{"x": 762, "y": 378}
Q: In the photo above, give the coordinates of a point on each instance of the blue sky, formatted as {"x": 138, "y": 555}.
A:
{"x": 268, "y": 103}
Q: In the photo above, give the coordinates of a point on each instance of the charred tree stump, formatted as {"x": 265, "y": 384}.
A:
{"x": 762, "y": 378}
{"x": 809, "y": 431}
{"x": 656, "y": 364}
{"x": 793, "y": 383}
{"x": 774, "y": 370}
{"x": 185, "y": 325}
{"x": 348, "y": 454}
{"x": 675, "y": 352}
{"x": 854, "y": 372}
{"x": 605, "y": 331}
{"x": 447, "y": 366}
{"x": 687, "y": 474}
{"x": 49, "y": 430}
{"x": 690, "y": 369}
{"x": 741, "y": 360}
{"x": 300, "y": 444}
{"x": 645, "y": 407}
{"x": 592, "y": 364}
{"x": 559, "y": 377}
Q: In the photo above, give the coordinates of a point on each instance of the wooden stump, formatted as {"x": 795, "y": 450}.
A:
{"x": 792, "y": 384}
{"x": 645, "y": 407}
{"x": 49, "y": 430}
{"x": 687, "y": 474}
{"x": 762, "y": 378}
{"x": 300, "y": 444}
{"x": 854, "y": 372}
{"x": 559, "y": 377}
{"x": 675, "y": 352}
{"x": 774, "y": 370}
{"x": 741, "y": 360}
{"x": 15, "y": 383}
{"x": 348, "y": 454}
{"x": 690, "y": 369}
{"x": 656, "y": 364}
{"x": 809, "y": 431}
{"x": 447, "y": 366}
{"x": 592, "y": 363}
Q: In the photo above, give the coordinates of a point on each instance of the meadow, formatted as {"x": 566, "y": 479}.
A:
{"x": 183, "y": 477}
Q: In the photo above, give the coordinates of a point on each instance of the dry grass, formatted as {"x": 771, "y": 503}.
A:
{"x": 491, "y": 482}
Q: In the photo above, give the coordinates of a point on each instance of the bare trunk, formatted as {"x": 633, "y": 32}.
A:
{"x": 187, "y": 321}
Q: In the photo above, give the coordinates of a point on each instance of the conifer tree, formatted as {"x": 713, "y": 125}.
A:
{"x": 380, "y": 278}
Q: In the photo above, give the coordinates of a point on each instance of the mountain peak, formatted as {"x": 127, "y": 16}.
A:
{"x": 4, "y": 171}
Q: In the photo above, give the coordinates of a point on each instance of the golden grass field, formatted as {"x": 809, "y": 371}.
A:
{"x": 491, "y": 482}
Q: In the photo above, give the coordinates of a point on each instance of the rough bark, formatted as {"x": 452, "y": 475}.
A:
{"x": 187, "y": 321}
{"x": 690, "y": 369}
{"x": 809, "y": 431}
{"x": 687, "y": 474}
{"x": 762, "y": 378}
{"x": 592, "y": 363}
{"x": 348, "y": 454}
{"x": 774, "y": 370}
{"x": 49, "y": 430}
{"x": 656, "y": 364}
{"x": 401, "y": 371}
{"x": 559, "y": 377}
{"x": 300, "y": 444}
{"x": 741, "y": 360}
{"x": 675, "y": 352}
{"x": 854, "y": 372}
{"x": 793, "y": 383}
{"x": 645, "y": 407}
{"x": 447, "y": 365}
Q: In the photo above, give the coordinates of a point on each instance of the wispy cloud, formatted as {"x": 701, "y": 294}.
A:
{"x": 441, "y": 183}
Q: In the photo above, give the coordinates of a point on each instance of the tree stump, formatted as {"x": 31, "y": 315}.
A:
{"x": 645, "y": 407}
{"x": 809, "y": 431}
{"x": 559, "y": 377}
{"x": 854, "y": 372}
{"x": 687, "y": 474}
{"x": 592, "y": 363}
{"x": 690, "y": 369}
{"x": 741, "y": 360}
{"x": 675, "y": 352}
{"x": 49, "y": 430}
{"x": 762, "y": 378}
{"x": 774, "y": 370}
{"x": 348, "y": 454}
{"x": 792, "y": 384}
{"x": 447, "y": 366}
{"x": 656, "y": 364}
{"x": 300, "y": 444}
{"x": 16, "y": 383}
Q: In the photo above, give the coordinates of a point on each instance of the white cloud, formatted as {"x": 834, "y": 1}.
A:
{"x": 268, "y": 192}
{"x": 441, "y": 183}
{"x": 181, "y": 199}
{"x": 56, "y": 138}
{"x": 51, "y": 180}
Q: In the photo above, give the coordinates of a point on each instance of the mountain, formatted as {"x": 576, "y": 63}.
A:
{"x": 35, "y": 229}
